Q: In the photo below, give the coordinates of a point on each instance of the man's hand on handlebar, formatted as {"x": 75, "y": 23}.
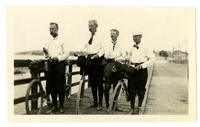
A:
{"x": 138, "y": 67}
{"x": 53, "y": 59}
{"x": 95, "y": 56}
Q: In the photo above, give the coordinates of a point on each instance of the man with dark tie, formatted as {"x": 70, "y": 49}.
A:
{"x": 140, "y": 58}
{"x": 93, "y": 48}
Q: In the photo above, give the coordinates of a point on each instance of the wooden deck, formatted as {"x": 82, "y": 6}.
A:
{"x": 86, "y": 101}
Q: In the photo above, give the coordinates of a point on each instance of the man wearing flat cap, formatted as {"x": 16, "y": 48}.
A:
{"x": 140, "y": 58}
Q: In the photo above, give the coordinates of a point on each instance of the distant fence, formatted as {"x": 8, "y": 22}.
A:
{"x": 25, "y": 63}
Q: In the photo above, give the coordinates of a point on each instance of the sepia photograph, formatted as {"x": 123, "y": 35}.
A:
{"x": 101, "y": 61}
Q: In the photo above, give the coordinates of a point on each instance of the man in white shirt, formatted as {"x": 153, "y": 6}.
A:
{"x": 140, "y": 58}
{"x": 94, "y": 59}
{"x": 55, "y": 52}
{"x": 112, "y": 52}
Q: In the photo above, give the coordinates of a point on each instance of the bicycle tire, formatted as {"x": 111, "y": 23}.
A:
{"x": 67, "y": 87}
{"x": 115, "y": 97}
{"x": 78, "y": 98}
{"x": 34, "y": 83}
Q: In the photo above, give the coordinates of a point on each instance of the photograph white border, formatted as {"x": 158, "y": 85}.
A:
{"x": 187, "y": 3}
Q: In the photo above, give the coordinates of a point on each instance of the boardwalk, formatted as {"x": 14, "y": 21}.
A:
{"x": 168, "y": 92}
{"x": 86, "y": 101}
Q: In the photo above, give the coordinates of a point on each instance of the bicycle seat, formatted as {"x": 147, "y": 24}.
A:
{"x": 124, "y": 69}
{"x": 37, "y": 66}
{"x": 81, "y": 62}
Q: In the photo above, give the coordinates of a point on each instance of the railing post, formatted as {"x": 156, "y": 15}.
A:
{"x": 69, "y": 82}
{"x": 34, "y": 91}
{"x": 82, "y": 89}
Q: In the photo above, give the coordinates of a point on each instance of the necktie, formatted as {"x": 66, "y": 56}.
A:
{"x": 136, "y": 46}
{"x": 114, "y": 43}
{"x": 90, "y": 40}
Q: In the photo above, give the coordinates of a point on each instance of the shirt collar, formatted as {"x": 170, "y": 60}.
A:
{"x": 114, "y": 41}
{"x": 55, "y": 38}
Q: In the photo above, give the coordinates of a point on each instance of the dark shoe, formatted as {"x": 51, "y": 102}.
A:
{"x": 62, "y": 110}
{"x": 132, "y": 112}
{"x": 107, "y": 110}
{"x": 52, "y": 110}
{"x": 139, "y": 111}
{"x": 118, "y": 109}
{"x": 99, "y": 108}
{"x": 93, "y": 106}
{"x": 49, "y": 103}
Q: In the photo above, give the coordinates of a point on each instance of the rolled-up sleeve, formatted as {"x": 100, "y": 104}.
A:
{"x": 101, "y": 49}
{"x": 150, "y": 58}
{"x": 65, "y": 53}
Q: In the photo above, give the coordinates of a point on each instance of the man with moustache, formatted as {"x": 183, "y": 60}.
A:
{"x": 112, "y": 52}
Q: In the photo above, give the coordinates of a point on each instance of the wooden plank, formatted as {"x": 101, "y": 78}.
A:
{"x": 24, "y": 81}
{"x": 21, "y": 63}
{"x": 22, "y": 99}
{"x": 75, "y": 73}
{"x": 77, "y": 83}
{"x": 19, "y": 100}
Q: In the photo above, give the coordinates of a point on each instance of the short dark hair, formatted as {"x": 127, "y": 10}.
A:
{"x": 54, "y": 23}
{"x": 115, "y": 30}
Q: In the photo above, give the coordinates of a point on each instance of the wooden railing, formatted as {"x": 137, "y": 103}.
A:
{"x": 26, "y": 81}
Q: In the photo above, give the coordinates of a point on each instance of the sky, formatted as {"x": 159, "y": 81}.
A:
{"x": 162, "y": 28}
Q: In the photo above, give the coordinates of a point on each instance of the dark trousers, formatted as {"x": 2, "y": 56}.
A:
{"x": 56, "y": 82}
{"x": 110, "y": 78}
{"x": 136, "y": 85}
{"x": 95, "y": 77}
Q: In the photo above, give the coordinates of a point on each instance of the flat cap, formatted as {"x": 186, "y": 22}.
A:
{"x": 137, "y": 33}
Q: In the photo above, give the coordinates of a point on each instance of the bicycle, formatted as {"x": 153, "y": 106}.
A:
{"x": 36, "y": 68}
{"x": 80, "y": 93}
{"x": 121, "y": 88}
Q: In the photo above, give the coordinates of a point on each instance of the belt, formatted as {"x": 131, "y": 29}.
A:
{"x": 90, "y": 55}
{"x": 136, "y": 64}
{"x": 110, "y": 60}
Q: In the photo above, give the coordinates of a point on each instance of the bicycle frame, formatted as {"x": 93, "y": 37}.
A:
{"x": 80, "y": 93}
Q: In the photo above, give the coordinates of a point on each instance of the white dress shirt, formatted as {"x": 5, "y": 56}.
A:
{"x": 109, "y": 53}
{"x": 141, "y": 55}
{"x": 96, "y": 47}
{"x": 56, "y": 48}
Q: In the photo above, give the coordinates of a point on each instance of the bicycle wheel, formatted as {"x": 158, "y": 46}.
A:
{"x": 67, "y": 86}
{"x": 115, "y": 97}
{"x": 34, "y": 97}
{"x": 78, "y": 98}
